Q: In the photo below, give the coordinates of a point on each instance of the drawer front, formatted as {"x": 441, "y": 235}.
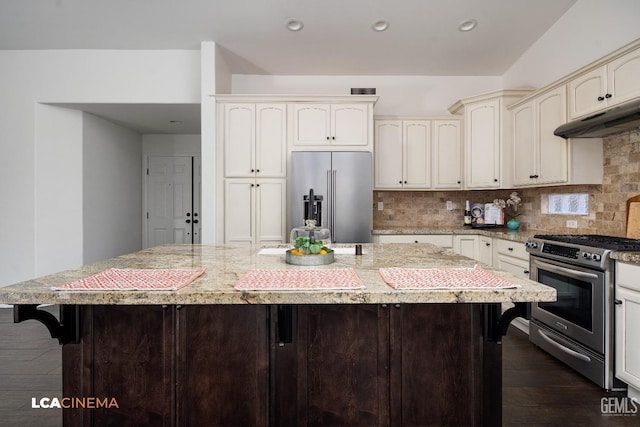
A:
{"x": 628, "y": 275}
{"x": 511, "y": 248}
{"x": 515, "y": 266}
{"x": 443, "y": 240}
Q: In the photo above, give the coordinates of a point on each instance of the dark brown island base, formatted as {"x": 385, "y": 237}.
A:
{"x": 210, "y": 355}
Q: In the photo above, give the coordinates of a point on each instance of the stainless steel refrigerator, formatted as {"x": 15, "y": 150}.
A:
{"x": 342, "y": 192}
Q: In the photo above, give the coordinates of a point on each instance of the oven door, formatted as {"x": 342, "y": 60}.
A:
{"x": 579, "y": 312}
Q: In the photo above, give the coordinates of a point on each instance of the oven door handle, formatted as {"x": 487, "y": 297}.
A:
{"x": 563, "y": 270}
{"x": 562, "y": 348}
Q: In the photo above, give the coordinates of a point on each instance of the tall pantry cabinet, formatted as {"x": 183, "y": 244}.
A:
{"x": 255, "y": 185}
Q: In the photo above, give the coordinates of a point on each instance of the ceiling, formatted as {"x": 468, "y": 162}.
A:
{"x": 337, "y": 38}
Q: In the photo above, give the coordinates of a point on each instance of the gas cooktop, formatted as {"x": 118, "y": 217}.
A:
{"x": 594, "y": 240}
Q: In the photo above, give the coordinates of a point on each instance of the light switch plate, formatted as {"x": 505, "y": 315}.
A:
{"x": 380, "y": 206}
{"x": 449, "y": 205}
{"x": 572, "y": 223}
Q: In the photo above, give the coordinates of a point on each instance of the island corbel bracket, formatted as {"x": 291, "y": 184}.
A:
{"x": 497, "y": 324}
{"x": 67, "y": 330}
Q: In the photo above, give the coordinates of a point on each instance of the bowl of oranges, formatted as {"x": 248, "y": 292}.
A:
{"x": 308, "y": 251}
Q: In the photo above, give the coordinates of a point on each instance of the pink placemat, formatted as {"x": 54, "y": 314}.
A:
{"x": 116, "y": 279}
{"x": 444, "y": 278}
{"x": 295, "y": 280}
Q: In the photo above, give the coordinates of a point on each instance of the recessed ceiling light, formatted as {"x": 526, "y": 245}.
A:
{"x": 294, "y": 24}
{"x": 380, "y": 25}
{"x": 467, "y": 25}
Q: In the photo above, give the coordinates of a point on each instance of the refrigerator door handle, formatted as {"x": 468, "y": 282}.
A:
{"x": 329, "y": 207}
{"x": 334, "y": 188}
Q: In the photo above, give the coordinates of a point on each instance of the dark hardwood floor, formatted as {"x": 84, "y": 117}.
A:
{"x": 538, "y": 390}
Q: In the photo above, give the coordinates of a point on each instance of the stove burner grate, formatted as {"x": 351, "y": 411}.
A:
{"x": 594, "y": 240}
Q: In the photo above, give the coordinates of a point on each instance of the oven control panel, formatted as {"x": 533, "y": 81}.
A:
{"x": 572, "y": 254}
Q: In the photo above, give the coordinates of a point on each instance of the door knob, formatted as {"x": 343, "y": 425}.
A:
{"x": 195, "y": 221}
{"x": 188, "y": 221}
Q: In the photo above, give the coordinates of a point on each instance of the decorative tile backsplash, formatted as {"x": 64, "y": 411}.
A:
{"x": 607, "y": 202}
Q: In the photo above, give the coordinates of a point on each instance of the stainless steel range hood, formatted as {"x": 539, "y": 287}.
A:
{"x": 613, "y": 120}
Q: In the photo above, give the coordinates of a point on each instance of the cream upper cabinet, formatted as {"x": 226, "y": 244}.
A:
{"x": 608, "y": 85}
{"x": 255, "y": 140}
{"x": 482, "y": 144}
{"x": 447, "y": 154}
{"x": 402, "y": 152}
{"x": 331, "y": 124}
{"x": 416, "y": 136}
{"x": 407, "y": 150}
{"x": 488, "y": 157}
{"x": 539, "y": 156}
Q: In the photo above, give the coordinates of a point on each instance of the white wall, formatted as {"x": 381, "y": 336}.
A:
{"x": 170, "y": 145}
{"x": 399, "y": 95}
{"x": 588, "y": 31}
{"x": 33, "y": 77}
{"x": 112, "y": 190}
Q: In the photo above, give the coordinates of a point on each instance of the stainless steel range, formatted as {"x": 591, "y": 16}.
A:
{"x": 579, "y": 328}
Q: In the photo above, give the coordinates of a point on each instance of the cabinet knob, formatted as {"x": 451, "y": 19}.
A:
{"x": 252, "y": 170}
{"x": 405, "y": 182}
{"x": 415, "y": 241}
{"x": 531, "y": 176}
{"x": 495, "y": 179}
{"x": 328, "y": 138}
{"x": 617, "y": 302}
{"x": 487, "y": 244}
{"x": 600, "y": 98}
{"x": 257, "y": 185}
{"x": 252, "y": 185}
{"x": 510, "y": 249}
{"x": 526, "y": 272}
{"x": 195, "y": 221}
{"x": 608, "y": 96}
{"x": 399, "y": 182}
{"x": 459, "y": 182}
{"x": 188, "y": 221}
{"x": 333, "y": 137}
{"x": 258, "y": 170}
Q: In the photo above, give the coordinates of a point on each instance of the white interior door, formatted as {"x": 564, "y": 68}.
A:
{"x": 172, "y": 215}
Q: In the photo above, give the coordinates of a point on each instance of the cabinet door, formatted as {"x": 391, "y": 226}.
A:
{"x": 627, "y": 316}
{"x": 485, "y": 250}
{"x": 311, "y": 124}
{"x": 238, "y": 210}
{"x": 125, "y": 353}
{"x": 426, "y": 361}
{"x": 223, "y": 366}
{"x": 623, "y": 83}
{"x": 552, "y": 155}
{"x": 512, "y": 265}
{"x": 524, "y": 165}
{"x": 586, "y": 93}
{"x": 388, "y": 154}
{"x": 335, "y": 370}
{"x": 416, "y": 135}
{"x": 349, "y": 124}
{"x": 447, "y": 154}
{"x": 482, "y": 144}
{"x": 270, "y": 213}
{"x": 271, "y": 140}
{"x": 466, "y": 246}
{"x": 239, "y": 140}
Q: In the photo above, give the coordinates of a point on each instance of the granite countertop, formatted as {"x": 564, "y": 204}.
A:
{"x": 632, "y": 257}
{"x": 497, "y": 232}
{"x": 226, "y": 263}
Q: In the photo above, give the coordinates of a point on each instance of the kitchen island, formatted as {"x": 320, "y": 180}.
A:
{"x": 208, "y": 354}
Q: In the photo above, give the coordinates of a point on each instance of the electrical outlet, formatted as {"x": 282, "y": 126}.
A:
{"x": 572, "y": 224}
{"x": 380, "y": 206}
{"x": 449, "y": 205}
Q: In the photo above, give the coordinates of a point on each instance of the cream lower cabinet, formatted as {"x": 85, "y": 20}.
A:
{"x": 627, "y": 319}
{"x": 255, "y": 210}
{"x": 442, "y": 240}
{"x": 512, "y": 257}
{"x": 466, "y": 246}
{"x": 485, "y": 250}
